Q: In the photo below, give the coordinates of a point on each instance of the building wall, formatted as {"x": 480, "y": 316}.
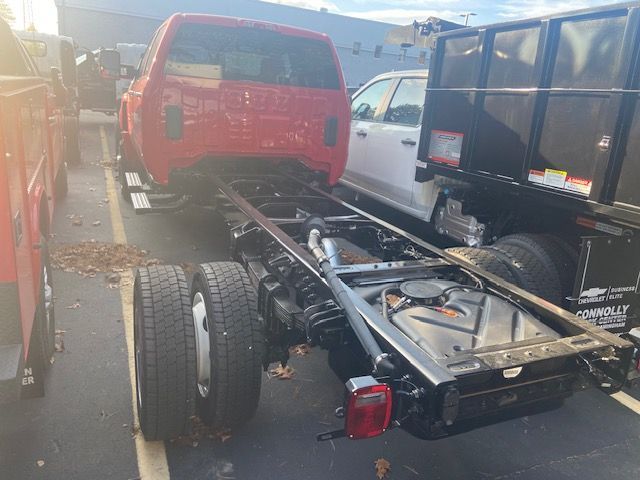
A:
{"x": 134, "y": 21}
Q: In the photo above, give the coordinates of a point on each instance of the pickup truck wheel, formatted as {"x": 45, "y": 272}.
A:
{"x": 486, "y": 260}
{"x": 61, "y": 183}
{"x": 530, "y": 272}
{"x": 164, "y": 352}
{"x": 565, "y": 257}
{"x": 546, "y": 252}
{"x": 229, "y": 344}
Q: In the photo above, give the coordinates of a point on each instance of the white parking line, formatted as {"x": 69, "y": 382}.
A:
{"x": 151, "y": 456}
{"x": 628, "y": 401}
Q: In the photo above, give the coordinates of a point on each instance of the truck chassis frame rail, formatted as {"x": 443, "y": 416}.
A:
{"x": 417, "y": 334}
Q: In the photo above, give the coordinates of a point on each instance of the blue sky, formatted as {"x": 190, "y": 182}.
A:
{"x": 392, "y": 11}
{"x": 405, "y": 11}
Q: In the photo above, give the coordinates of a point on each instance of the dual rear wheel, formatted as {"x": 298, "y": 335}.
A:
{"x": 198, "y": 352}
{"x": 542, "y": 264}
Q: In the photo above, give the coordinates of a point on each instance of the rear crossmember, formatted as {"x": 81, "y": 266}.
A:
{"x": 282, "y": 228}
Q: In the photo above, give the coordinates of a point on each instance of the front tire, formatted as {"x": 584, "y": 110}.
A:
{"x": 230, "y": 343}
{"x": 164, "y": 352}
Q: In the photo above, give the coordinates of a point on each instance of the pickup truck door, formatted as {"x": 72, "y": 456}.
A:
{"x": 392, "y": 148}
{"x": 136, "y": 90}
{"x": 365, "y": 109}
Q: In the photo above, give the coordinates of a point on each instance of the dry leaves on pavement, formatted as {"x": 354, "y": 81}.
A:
{"x": 382, "y": 468}
{"x": 283, "y": 373}
{"x": 89, "y": 258}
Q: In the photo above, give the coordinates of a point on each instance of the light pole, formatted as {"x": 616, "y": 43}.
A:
{"x": 466, "y": 17}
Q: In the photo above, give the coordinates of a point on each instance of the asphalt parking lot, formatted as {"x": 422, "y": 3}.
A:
{"x": 84, "y": 427}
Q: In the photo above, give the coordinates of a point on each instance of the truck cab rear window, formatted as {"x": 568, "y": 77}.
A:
{"x": 249, "y": 54}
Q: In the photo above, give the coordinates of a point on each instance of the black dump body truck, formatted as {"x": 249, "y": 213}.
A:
{"x": 532, "y": 133}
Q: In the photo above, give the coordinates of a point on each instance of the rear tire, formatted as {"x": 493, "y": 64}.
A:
{"x": 226, "y": 320}
{"x": 164, "y": 352}
{"x": 486, "y": 260}
{"x": 566, "y": 259}
{"x": 548, "y": 258}
{"x": 530, "y": 273}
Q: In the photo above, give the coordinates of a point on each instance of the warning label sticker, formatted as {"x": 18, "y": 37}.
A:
{"x": 536, "y": 176}
{"x": 445, "y": 147}
{"x": 560, "y": 179}
{"x": 580, "y": 185}
{"x": 554, "y": 178}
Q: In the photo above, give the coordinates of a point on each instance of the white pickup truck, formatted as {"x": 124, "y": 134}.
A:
{"x": 386, "y": 116}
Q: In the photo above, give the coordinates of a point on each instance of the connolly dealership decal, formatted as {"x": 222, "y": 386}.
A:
{"x": 607, "y": 290}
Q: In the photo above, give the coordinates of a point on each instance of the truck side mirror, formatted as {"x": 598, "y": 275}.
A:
{"x": 59, "y": 91}
{"x": 109, "y": 63}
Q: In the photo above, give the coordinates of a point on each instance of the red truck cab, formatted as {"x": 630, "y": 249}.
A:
{"x": 32, "y": 178}
{"x": 219, "y": 88}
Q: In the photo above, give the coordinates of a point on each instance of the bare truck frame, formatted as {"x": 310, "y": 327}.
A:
{"x": 424, "y": 340}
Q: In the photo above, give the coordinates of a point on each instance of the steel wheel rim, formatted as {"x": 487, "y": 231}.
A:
{"x": 203, "y": 347}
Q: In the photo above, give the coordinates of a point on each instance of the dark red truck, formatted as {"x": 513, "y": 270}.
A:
{"x": 32, "y": 177}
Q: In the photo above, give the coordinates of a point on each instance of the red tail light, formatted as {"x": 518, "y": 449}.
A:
{"x": 368, "y": 408}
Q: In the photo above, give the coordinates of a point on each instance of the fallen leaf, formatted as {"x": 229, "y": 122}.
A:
{"x": 40, "y": 463}
{"x": 114, "y": 278}
{"x": 300, "y": 350}
{"x": 392, "y": 299}
{"x": 382, "y": 468}
{"x": 77, "y": 222}
{"x": 283, "y": 373}
{"x": 97, "y": 223}
{"x": 189, "y": 267}
{"x": 223, "y": 435}
{"x": 59, "y": 345}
